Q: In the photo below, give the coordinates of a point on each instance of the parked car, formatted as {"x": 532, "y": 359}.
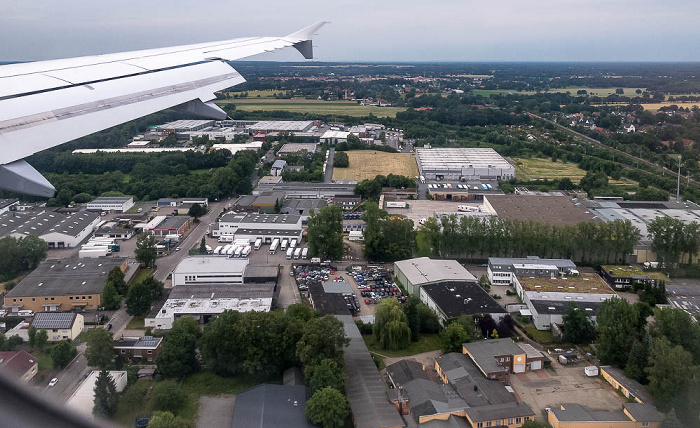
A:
{"x": 108, "y": 327}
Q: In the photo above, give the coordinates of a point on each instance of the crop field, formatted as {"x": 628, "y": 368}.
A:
{"x": 541, "y": 168}
{"x": 544, "y": 168}
{"x": 656, "y": 106}
{"x": 341, "y": 108}
{"x": 367, "y": 164}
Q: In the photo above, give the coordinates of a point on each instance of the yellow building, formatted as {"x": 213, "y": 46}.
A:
{"x": 630, "y": 388}
{"x": 633, "y": 415}
{"x": 511, "y": 415}
{"x": 59, "y": 325}
{"x": 63, "y": 285}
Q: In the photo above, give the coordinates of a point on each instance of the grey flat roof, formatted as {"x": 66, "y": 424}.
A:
{"x": 337, "y": 287}
{"x": 172, "y": 222}
{"x": 499, "y": 411}
{"x": 107, "y": 200}
{"x": 364, "y": 388}
{"x": 424, "y": 270}
{"x": 574, "y": 412}
{"x": 457, "y": 298}
{"x": 52, "y": 320}
{"x": 327, "y": 303}
{"x": 143, "y": 342}
{"x": 484, "y": 351}
{"x": 259, "y": 219}
{"x": 555, "y": 210}
{"x": 66, "y": 277}
{"x": 297, "y": 147}
{"x": 552, "y": 307}
{"x": 405, "y": 371}
{"x": 505, "y": 262}
{"x": 271, "y": 406}
{"x": 223, "y": 291}
{"x": 211, "y": 264}
{"x": 643, "y": 412}
{"x": 45, "y": 222}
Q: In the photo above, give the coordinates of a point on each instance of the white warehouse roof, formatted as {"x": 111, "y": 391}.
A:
{"x": 424, "y": 270}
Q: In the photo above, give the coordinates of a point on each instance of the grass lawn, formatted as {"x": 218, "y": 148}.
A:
{"x": 367, "y": 164}
{"x": 541, "y": 336}
{"x": 427, "y": 342}
{"x": 195, "y": 386}
{"x": 45, "y": 361}
{"x": 135, "y": 323}
{"x": 341, "y": 108}
{"x": 141, "y": 274}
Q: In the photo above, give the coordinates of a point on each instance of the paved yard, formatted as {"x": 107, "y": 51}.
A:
{"x": 215, "y": 412}
{"x": 550, "y": 388}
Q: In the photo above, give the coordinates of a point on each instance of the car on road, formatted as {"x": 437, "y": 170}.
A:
{"x": 108, "y": 327}
{"x": 53, "y": 381}
{"x": 177, "y": 248}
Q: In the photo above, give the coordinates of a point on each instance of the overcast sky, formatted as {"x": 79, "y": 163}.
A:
{"x": 364, "y": 30}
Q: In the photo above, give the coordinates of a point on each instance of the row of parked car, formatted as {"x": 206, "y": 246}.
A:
{"x": 376, "y": 283}
{"x": 306, "y": 275}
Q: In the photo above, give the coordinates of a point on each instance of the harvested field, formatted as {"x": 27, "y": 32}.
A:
{"x": 341, "y": 108}
{"x": 541, "y": 168}
{"x": 367, "y": 164}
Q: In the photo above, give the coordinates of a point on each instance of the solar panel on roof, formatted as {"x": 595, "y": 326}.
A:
{"x": 149, "y": 343}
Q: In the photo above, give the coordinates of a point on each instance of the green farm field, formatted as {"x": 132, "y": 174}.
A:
{"x": 341, "y": 108}
{"x": 544, "y": 168}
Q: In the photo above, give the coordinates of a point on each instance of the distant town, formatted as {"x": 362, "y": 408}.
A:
{"x": 398, "y": 246}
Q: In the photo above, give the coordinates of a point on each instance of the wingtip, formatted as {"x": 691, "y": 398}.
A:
{"x": 307, "y": 33}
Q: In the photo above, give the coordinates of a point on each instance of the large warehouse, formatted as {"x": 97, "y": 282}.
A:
{"x": 463, "y": 163}
{"x": 58, "y": 230}
{"x": 254, "y": 226}
{"x": 416, "y": 273}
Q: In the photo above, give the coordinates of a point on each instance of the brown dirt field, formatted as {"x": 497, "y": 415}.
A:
{"x": 367, "y": 164}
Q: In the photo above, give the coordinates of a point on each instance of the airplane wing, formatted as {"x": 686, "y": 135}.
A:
{"x": 47, "y": 103}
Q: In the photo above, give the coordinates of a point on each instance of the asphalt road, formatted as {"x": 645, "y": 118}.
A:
{"x": 68, "y": 379}
{"x": 166, "y": 264}
{"x": 329, "y": 167}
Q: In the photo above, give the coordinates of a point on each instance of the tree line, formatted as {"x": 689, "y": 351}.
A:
{"x": 386, "y": 238}
{"x": 17, "y": 255}
{"x": 477, "y": 238}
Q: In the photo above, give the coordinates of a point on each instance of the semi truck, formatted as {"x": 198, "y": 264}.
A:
{"x": 297, "y": 253}
{"x": 290, "y": 253}
{"x": 285, "y": 243}
{"x": 274, "y": 245}
{"x": 258, "y": 243}
{"x": 304, "y": 253}
{"x": 293, "y": 243}
{"x": 226, "y": 238}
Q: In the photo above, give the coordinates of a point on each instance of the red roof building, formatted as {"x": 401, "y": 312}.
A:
{"x": 19, "y": 365}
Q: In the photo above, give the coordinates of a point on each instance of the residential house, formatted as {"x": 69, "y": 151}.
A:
{"x": 59, "y": 325}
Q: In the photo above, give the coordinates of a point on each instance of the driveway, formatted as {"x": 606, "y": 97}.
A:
{"x": 215, "y": 412}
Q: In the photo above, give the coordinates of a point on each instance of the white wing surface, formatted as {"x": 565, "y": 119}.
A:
{"x": 47, "y": 103}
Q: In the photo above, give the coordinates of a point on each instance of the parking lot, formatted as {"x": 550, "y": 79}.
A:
{"x": 548, "y": 388}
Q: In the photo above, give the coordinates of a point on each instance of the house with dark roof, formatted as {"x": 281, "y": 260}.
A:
{"x": 500, "y": 415}
{"x": 271, "y": 406}
{"x": 404, "y": 371}
{"x": 454, "y": 298}
{"x": 19, "y": 365}
{"x": 59, "y": 325}
{"x": 138, "y": 349}
{"x": 475, "y": 389}
{"x": 633, "y": 415}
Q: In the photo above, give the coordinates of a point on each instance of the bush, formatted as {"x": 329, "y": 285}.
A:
{"x": 168, "y": 397}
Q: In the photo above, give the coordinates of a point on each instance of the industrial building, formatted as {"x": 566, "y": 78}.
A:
{"x": 454, "y": 298}
{"x": 310, "y": 190}
{"x": 271, "y": 406}
{"x": 278, "y": 167}
{"x": 554, "y": 210}
{"x": 548, "y": 298}
{"x": 184, "y": 126}
{"x": 463, "y": 164}
{"x": 418, "y": 272}
{"x": 111, "y": 204}
{"x": 497, "y": 357}
{"x": 335, "y": 137}
{"x": 503, "y": 270}
{"x": 290, "y": 148}
{"x": 59, "y": 325}
{"x": 235, "y": 148}
{"x": 83, "y": 399}
{"x": 254, "y": 226}
{"x": 203, "y": 301}
{"x": 171, "y": 225}
{"x": 632, "y": 415}
{"x": 302, "y": 207}
{"x": 63, "y": 285}
{"x": 282, "y": 126}
{"x": 209, "y": 270}
{"x": 58, "y": 230}
{"x": 8, "y": 205}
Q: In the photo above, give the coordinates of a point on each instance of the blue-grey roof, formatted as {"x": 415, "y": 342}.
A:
{"x": 54, "y": 320}
{"x": 574, "y": 412}
{"x": 271, "y": 406}
{"x": 484, "y": 351}
{"x": 475, "y": 389}
{"x": 499, "y": 411}
{"x": 279, "y": 164}
{"x": 643, "y": 412}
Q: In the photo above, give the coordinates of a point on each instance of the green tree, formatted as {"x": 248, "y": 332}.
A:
{"x": 31, "y": 335}
{"x": 145, "y": 252}
{"x": 141, "y": 296}
{"x": 325, "y": 233}
{"x": 110, "y": 297}
{"x": 33, "y": 250}
{"x": 62, "y": 353}
{"x": 668, "y": 239}
{"x": 578, "y": 327}
{"x": 323, "y": 338}
{"x": 167, "y": 420}
{"x": 327, "y": 408}
{"x": 116, "y": 278}
{"x": 671, "y": 420}
{"x": 178, "y": 358}
{"x": 536, "y": 424}
{"x": 618, "y": 324}
{"x": 341, "y": 160}
{"x": 168, "y": 397}
{"x": 638, "y": 360}
{"x": 106, "y": 397}
{"x": 326, "y": 373}
{"x": 391, "y": 326}
{"x": 100, "y": 348}
{"x": 668, "y": 372}
{"x": 196, "y": 211}
{"x": 453, "y": 337}
{"x": 203, "y": 246}
{"x": 676, "y": 325}
{"x": 368, "y": 189}
{"x": 134, "y": 395}
{"x": 41, "y": 338}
